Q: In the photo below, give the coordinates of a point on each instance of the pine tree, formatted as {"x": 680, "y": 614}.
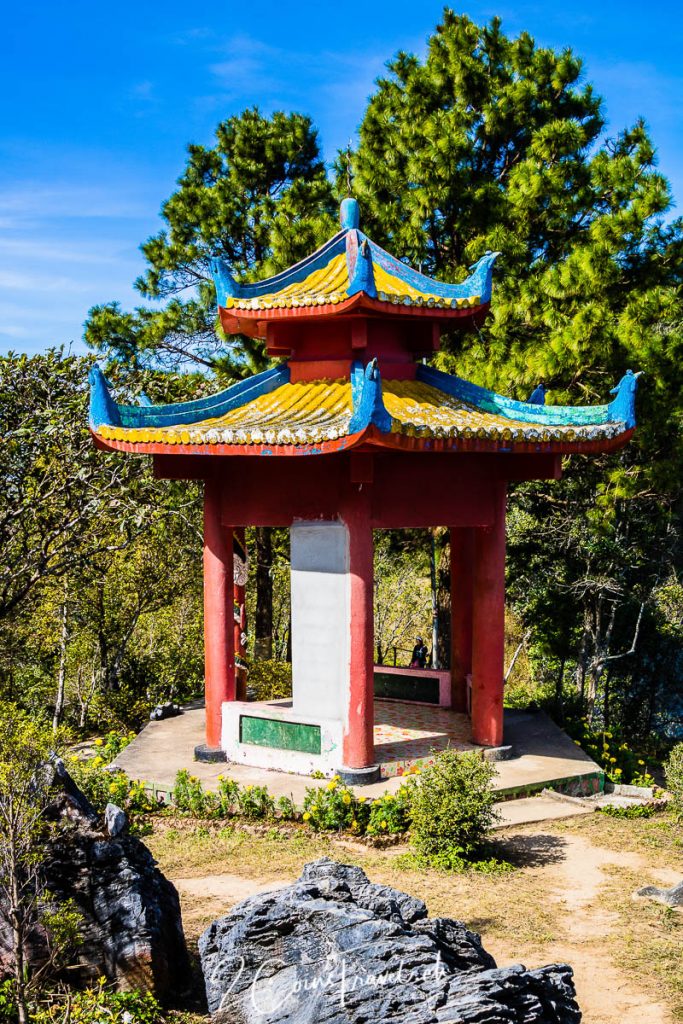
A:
{"x": 260, "y": 199}
{"x": 496, "y": 143}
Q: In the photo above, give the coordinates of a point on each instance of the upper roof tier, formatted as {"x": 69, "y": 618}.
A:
{"x": 349, "y": 274}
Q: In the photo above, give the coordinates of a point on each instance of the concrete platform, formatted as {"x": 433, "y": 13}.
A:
{"x": 547, "y": 758}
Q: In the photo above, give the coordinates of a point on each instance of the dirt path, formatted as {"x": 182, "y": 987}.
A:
{"x": 605, "y": 993}
{"x": 573, "y": 883}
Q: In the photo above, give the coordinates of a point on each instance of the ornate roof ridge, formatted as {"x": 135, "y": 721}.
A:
{"x": 370, "y": 270}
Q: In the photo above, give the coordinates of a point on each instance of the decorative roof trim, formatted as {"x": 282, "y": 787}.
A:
{"x": 227, "y": 287}
{"x": 479, "y": 283}
{"x": 368, "y": 404}
{"x": 620, "y": 410}
{"x": 105, "y": 412}
{"x": 372, "y": 437}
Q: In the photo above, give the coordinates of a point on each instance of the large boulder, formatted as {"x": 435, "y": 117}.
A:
{"x": 337, "y": 949}
{"x": 132, "y": 931}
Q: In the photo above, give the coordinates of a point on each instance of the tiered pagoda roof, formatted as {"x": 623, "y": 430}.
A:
{"x": 359, "y": 398}
{"x": 349, "y": 274}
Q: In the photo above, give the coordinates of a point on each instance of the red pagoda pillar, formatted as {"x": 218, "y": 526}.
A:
{"x": 359, "y": 746}
{"x": 462, "y": 589}
{"x": 219, "y": 655}
{"x": 488, "y": 627}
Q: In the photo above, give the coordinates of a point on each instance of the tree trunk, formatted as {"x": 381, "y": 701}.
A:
{"x": 443, "y": 607}
{"x": 61, "y": 671}
{"x": 17, "y": 923}
{"x": 559, "y": 691}
{"x": 263, "y": 619}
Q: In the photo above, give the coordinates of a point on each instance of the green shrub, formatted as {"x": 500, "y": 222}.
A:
{"x": 629, "y": 812}
{"x": 452, "y": 809}
{"x": 335, "y": 808}
{"x": 255, "y": 802}
{"x": 96, "y": 1005}
{"x": 610, "y": 750}
{"x": 189, "y": 795}
{"x": 8, "y": 1003}
{"x": 228, "y": 794}
{"x": 102, "y": 787}
{"x": 111, "y": 745}
{"x": 674, "y": 778}
{"x": 390, "y": 813}
{"x": 272, "y": 680}
{"x": 285, "y": 808}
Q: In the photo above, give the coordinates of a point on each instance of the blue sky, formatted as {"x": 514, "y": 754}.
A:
{"x": 98, "y": 101}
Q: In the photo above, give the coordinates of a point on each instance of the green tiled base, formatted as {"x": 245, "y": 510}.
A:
{"x": 574, "y": 785}
{"x": 271, "y": 732}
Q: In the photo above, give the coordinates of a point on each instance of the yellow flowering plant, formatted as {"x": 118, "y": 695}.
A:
{"x": 609, "y": 749}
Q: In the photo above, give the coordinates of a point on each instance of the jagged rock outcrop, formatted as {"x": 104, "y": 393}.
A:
{"x": 132, "y": 930}
{"x": 672, "y": 897}
{"x": 336, "y": 949}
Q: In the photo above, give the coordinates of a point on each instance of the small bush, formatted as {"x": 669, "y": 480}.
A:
{"x": 674, "y": 778}
{"x": 629, "y": 812}
{"x": 96, "y": 1005}
{"x": 103, "y": 787}
{"x": 285, "y": 808}
{"x": 255, "y": 802}
{"x": 228, "y": 794}
{"x": 189, "y": 795}
{"x": 452, "y": 809}
{"x": 271, "y": 680}
{"x": 335, "y": 808}
{"x": 612, "y": 752}
{"x": 8, "y": 1003}
{"x": 390, "y": 813}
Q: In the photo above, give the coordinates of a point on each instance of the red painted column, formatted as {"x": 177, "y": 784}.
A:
{"x": 488, "y": 626}
{"x": 462, "y": 590}
{"x": 219, "y": 659}
{"x": 359, "y": 746}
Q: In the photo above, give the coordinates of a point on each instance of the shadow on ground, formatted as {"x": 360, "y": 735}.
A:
{"x": 525, "y": 851}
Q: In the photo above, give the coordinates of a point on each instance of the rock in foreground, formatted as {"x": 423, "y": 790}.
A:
{"x": 335, "y": 949}
{"x": 672, "y": 897}
{"x": 131, "y": 927}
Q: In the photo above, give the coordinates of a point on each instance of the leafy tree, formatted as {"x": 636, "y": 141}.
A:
{"x": 92, "y": 546}
{"x": 260, "y": 200}
{"x": 496, "y": 143}
{"x": 402, "y": 602}
{"x": 25, "y": 746}
{"x": 57, "y": 490}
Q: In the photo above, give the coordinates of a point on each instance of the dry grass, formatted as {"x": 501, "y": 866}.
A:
{"x": 521, "y": 915}
{"x": 648, "y": 939}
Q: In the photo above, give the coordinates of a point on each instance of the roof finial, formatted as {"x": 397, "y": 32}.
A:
{"x": 349, "y": 171}
{"x": 349, "y": 214}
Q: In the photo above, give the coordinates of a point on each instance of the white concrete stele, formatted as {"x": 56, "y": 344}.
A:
{"x": 321, "y": 651}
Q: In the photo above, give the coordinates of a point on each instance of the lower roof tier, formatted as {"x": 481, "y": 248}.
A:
{"x": 268, "y": 414}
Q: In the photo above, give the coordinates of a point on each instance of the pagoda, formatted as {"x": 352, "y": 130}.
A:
{"x": 351, "y": 431}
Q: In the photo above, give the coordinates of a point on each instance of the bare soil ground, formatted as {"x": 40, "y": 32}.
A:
{"x": 570, "y": 899}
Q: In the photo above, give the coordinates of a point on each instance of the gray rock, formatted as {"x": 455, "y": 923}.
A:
{"x": 131, "y": 929}
{"x": 115, "y": 820}
{"x": 336, "y": 949}
{"x": 672, "y": 897}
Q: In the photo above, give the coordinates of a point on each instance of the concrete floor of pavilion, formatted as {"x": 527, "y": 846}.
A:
{"x": 405, "y": 734}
